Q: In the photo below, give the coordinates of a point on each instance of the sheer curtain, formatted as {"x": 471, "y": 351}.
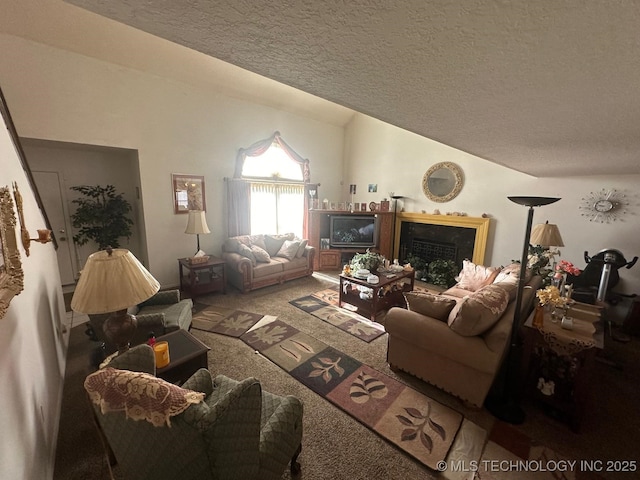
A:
{"x": 277, "y": 208}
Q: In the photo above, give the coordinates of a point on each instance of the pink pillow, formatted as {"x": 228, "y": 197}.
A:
{"x": 479, "y": 312}
{"x": 473, "y": 277}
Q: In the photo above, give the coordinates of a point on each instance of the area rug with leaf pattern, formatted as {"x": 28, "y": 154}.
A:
{"x": 420, "y": 426}
{"x": 224, "y": 321}
{"x": 324, "y": 305}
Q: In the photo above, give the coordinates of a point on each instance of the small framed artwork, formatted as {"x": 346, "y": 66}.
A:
{"x": 363, "y": 207}
{"x": 188, "y": 193}
{"x": 373, "y": 187}
{"x": 356, "y": 207}
{"x": 324, "y": 243}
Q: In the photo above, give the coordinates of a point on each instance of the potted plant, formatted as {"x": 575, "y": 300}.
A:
{"x": 442, "y": 272}
{"x": 101, "y": 216}
{"x": 419, "y": 265}
{"x": 368, "y": 260}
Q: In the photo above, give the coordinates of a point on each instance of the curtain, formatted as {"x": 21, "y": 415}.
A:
{"x": 277, "y": 208}
{"x": 238, "y": 207}
{"x": 262, "y": 146}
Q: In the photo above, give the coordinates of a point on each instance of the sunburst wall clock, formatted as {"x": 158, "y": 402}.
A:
{"x": 604, "y": 206}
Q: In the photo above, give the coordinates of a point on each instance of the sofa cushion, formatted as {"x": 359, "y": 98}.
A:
{"x": 473, "y": 277}
{"x": 273, "y": 267}
{"x": 245, "y": 251}
{"x": 273, "y": 243}
{"x": 478, "y": 312}
{"x": 303, "y": 244}
{"x": 289, "y": 249}
{"x": 295, "y": 264}
{"x": 260, "y": 254}
{"x": 233, "y": 243}
{"x": 457, "y": 292}
{"x": 435, "y": 306}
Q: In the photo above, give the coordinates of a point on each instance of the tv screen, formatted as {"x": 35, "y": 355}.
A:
{"x": 353, "y": 231}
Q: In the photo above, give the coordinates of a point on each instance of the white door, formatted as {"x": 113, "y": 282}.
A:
{"x": 49, "y": 187}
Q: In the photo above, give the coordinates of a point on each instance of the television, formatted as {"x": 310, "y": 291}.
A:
{"x": 353, "y": 230}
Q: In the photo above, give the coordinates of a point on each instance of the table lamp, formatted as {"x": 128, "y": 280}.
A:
{"x": 197, "y": 224}
{"x": 546, "y": 235}
{"x": 111, "y": 281}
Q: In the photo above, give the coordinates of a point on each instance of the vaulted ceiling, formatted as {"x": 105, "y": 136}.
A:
{"x": 546, "y": 87}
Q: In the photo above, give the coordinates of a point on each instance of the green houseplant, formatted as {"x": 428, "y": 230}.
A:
{"x": 368, "y": 260}
{"x": 442, "y": 272}
{"x": 101, "y": 216}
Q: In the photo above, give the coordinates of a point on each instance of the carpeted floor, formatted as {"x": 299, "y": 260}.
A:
{"x": 336, "y": 446}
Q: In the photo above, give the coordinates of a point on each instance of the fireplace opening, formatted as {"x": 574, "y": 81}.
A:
{"x": 430, "y": 242}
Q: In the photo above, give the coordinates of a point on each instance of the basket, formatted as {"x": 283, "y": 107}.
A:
{"x": 197, "y": 260}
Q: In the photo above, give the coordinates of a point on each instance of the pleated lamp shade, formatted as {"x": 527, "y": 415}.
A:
{"x": 112, "y": 280}
{"x": 546, "y": 235}
{"x": 197, "y": 222}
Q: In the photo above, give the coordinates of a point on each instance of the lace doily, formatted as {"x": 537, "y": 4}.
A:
{"x": 568, "y": 342}
{"x": 140, "y": 395}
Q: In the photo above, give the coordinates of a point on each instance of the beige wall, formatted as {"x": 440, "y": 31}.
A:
{"x": 175, "y": 127}
{"x": 32, "y": 345}
{"x": 396, "y": 160}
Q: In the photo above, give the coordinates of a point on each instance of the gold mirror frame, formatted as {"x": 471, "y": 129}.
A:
{"x": 455, "y": 188}
{"x": 11, "y": 275}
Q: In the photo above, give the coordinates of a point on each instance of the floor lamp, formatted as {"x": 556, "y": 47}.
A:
{"x": 506, "y": 407}
{"x": 395, "y": 211}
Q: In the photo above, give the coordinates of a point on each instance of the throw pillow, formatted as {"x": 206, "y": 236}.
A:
{"x": 473, "y": 277}
{"x": 288, "y": 250}
{"x": 246, "y": 252}
{"x": 303, "y": 244}
{"x": 258, "y": 240}
{"x": 477, "y": 313}
{"x": 509, "y": 274}
{"x": 260, "y": 254}
{"x": 430, "y": 305}
{"x": 273, "y": 243}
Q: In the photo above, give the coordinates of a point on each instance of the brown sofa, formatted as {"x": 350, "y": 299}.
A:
{"x": 453, "y": 357}
{"x": 255, "y": 261}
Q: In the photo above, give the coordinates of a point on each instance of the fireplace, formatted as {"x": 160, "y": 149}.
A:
{"x": 446, "y": 237}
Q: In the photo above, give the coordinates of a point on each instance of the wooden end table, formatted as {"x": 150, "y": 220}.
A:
{"x": 187, "y": 354}
{"x": 570, "y": 370}
{"x": 387, "y": 293}
{"x": 200, "y": 278}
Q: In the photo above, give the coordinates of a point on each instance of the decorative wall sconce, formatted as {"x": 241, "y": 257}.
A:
{"x": 44, "y": 235}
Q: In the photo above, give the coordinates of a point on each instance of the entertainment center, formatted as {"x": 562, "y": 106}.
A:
{"x": 337, "y": 235}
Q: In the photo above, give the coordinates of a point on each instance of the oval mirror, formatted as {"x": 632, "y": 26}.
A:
{"x": 442, "y": 182}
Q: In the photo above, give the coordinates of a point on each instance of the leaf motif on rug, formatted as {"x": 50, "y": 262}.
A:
{"x": 417, "y": 423}
{"x": 366, "y": 387}
{"x": 241, "y": 322}
{"x": 324, "y": 368}
{"x": 297, "y": 345}
{"x": 270, "y": 335}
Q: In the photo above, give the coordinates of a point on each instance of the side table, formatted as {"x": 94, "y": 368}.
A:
{"x": 558, "y": 363}
{"x": 201, "y": 278}
{"x": 187, "y": 355}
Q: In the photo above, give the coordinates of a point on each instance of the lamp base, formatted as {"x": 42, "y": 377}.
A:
{"x": 119, "y": 329}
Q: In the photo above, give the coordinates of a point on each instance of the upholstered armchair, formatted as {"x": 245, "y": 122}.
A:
{"x": 237, "y": 432}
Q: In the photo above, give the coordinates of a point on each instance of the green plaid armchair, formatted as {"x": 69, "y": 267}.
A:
{"x": 238, "y": 432}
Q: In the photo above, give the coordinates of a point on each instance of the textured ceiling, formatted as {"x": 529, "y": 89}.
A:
{"x": 546, "y": 87}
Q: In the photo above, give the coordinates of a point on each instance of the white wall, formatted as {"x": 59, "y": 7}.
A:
{"x": 32, "y": 345}
{"x": 376, "y": 152}
{"x": 176, "y": 128}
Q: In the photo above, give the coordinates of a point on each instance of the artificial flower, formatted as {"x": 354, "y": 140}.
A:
{"x": 563, "y": 266}
{"x": 551, "y": 296}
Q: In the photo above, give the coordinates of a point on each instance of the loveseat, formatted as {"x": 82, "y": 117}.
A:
{"x": 255, "y": 261}
{"x": 162, "y": 313}
{"x": 458, "y": 339}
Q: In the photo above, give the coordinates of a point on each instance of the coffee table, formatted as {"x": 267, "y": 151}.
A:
{"x": 187, "y": 354}
{"x": 387, "y": 293}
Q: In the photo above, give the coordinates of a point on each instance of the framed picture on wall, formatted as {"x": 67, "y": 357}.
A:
{"x": 188, "y": 193}
{"x": 11, "y": 275}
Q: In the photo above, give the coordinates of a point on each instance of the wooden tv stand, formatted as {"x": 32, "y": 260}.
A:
{"x": 331, "y": 258}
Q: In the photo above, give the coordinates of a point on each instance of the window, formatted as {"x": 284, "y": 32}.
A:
{"x": 277, "y": 192}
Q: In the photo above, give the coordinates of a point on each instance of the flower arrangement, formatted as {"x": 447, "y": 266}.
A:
{"x": 563, "y": 266}
{"x": 539, "y": 260}
{"x": 550, "y": 295}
